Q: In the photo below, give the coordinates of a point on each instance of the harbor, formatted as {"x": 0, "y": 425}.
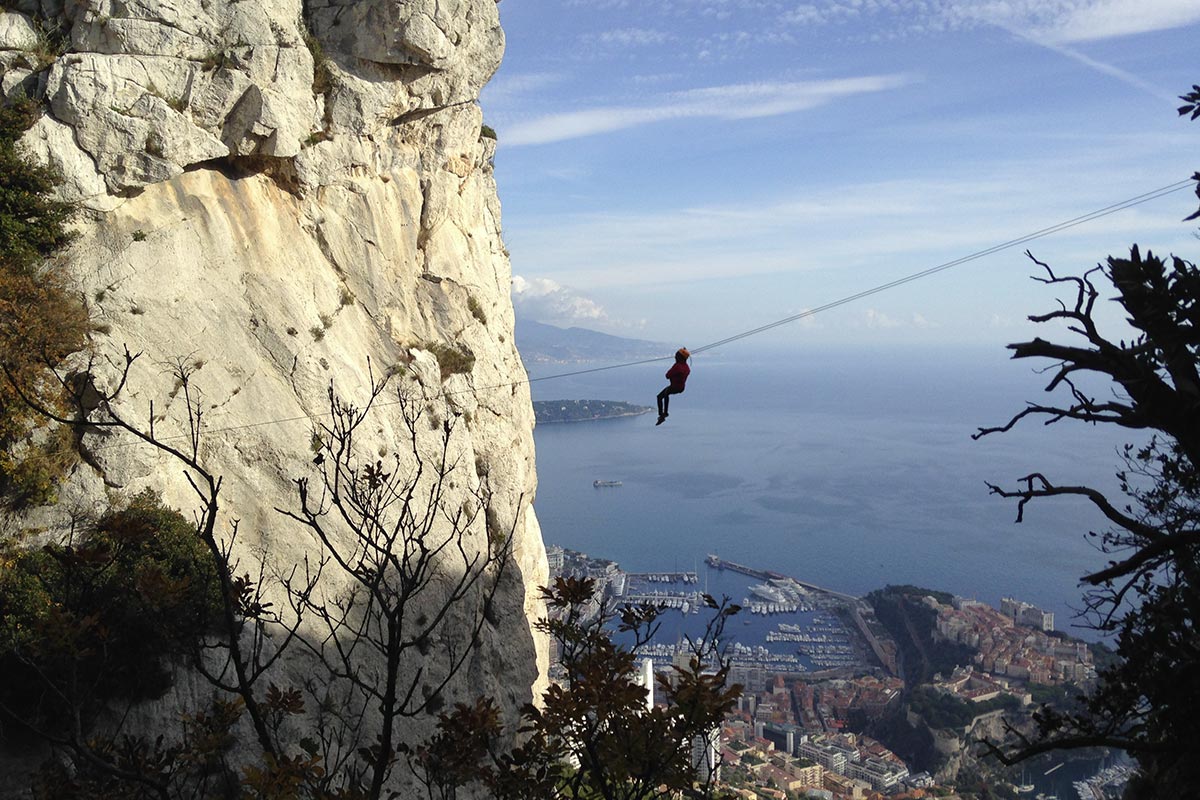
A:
{"x": 785, "y": 626}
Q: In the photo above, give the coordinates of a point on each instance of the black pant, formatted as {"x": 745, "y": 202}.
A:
{"x": 664, "y": 399}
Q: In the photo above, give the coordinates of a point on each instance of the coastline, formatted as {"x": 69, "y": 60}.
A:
{"x": 550, "y": 411}
{"x": 595, "y": 419}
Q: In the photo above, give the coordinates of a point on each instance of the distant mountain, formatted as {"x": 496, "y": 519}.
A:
{"x": 548, "y": 344}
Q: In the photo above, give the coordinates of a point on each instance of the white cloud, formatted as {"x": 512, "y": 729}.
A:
{"x": 738, "y": 101}
{"x": 1059, "y": 21}
{"x": 867, "y": 228}
{"x": 544, "y": 300}
{"x": 505, "y": 88}
{"x": 633, "y": 37}
{"x": 1105, "y": 19}
{"x": 876, "y": 319}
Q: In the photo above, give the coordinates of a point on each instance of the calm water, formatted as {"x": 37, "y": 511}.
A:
{"x": 850, "y": 470}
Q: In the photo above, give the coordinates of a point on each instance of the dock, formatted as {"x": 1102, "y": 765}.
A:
{"x": 716, "y": 562}
{"x": 762, "y": 574}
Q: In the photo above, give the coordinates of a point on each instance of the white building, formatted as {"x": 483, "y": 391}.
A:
{"x": 880, "y": 773}
{"x": 645, "y": 679}
{"x": 706, "y": 756}
{"x": 833, "y": 757}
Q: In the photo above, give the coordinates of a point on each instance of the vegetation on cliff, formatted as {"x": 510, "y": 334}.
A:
{"x": 945, "y": 711}
{"x": 41, "y": 321}
{"x": 912, "y": 624}
{"x": 101, "y": 616}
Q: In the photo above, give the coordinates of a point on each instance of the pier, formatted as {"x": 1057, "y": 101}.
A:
{"x": 716, "y": 562}
{"x": 762, "y": 574}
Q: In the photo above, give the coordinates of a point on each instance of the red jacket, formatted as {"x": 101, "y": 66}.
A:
{"x": 678, "y": 375}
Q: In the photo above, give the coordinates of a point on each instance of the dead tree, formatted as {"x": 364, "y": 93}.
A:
{"x": 1149, "y": 592}
{"x": 411, "y": 569}
{"x": 248, "y": 638}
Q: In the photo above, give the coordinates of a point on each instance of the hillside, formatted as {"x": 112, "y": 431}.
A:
{"x": 547, "y": 344}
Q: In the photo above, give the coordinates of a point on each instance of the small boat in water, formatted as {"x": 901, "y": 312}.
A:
{"x": 599, "y": 484}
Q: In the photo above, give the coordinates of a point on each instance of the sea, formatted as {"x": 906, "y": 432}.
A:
{"x": 850, "y": 468}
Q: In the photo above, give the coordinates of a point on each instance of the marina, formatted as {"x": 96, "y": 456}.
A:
{"x": 665, "y": 577}
{"x": 784, "y": 626}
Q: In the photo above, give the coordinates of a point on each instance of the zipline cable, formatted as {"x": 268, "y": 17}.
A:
{"x": 1122, "y": 205}
{"x": 1155, "y": 194}
{"x": 1062, "y": 226}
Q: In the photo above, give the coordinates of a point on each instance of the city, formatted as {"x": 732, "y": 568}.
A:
{"x": 821, "y": 671}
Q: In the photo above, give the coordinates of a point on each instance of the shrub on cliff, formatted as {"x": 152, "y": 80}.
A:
{"x": 101, "y": 616}
{"x": 41, "y": 323}
{"x": 592, "y": 735}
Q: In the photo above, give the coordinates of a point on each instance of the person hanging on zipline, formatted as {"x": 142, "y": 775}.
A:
{"x": 677, "y": 375}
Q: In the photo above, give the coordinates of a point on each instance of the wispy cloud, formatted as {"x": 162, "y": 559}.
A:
{"x": 1090, "y": 20}
{"x": 631, "y": 37}
{"x": 877, "y": 225}
{"x": 507, "y": 88}
{"x": 878, "y": 320}
{"x": 1122, "y": 75}
{"x": 1058, "y": 21}
{"x": 738, "y": 101}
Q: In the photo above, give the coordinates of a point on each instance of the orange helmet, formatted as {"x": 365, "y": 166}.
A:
{"x": 683, "y": 353}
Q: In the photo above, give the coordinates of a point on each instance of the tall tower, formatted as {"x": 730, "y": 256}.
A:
{"x": 647, "y": 681}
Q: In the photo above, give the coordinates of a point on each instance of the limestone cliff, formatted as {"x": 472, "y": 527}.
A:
{"x": 280, "y": 192}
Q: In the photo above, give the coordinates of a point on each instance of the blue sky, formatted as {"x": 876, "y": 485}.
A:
{"x": 686, "y": 169}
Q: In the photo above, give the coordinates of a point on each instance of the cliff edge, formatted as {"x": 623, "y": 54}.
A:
{"x": 285, "y": 194}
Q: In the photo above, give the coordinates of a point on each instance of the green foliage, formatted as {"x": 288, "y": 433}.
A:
{"x": 596, "y": 719}
{"x": 52, "y": 41}
{"x": 916, "y": 592}
{"x": 487, "y": 132}
{"x": 1045, "y": 695}
{"x": 452, "y": 360}
{"x": 103, "y": 615}
{"x": 476, "y": 309}
{"x": 136, "y": 768}
{"x": 1191, "y": 106}
{"x": 322, "y": 72}
{"x": 456, "y": 754}
{"x": 902, "y": 613}
{"x": 1103, "y": 656}
{"x": 943, "y": 710}
{"x": 32, "y": 224}
{"x": 214, "y": 59}
{"x": 41, "y": 322}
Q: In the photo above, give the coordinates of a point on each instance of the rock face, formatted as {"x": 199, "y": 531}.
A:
{"x": 280, "y": 194}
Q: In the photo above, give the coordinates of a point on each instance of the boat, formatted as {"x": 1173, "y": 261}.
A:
{"x": 599, "y": 484}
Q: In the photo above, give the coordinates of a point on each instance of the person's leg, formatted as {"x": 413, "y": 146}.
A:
{"x": 662, "y": 399}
